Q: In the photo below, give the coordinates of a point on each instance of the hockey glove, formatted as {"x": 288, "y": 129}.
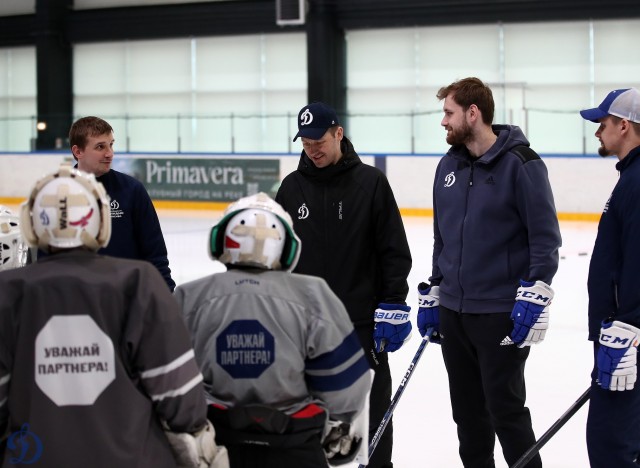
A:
{"x": 531, "y": 313}
{"x": 617, "y": 356}
{"x": 198, "y": 450}
{"x": 340, "y": 445}
{"x": 429, "y": 310}
{"x": 392, "y": 327}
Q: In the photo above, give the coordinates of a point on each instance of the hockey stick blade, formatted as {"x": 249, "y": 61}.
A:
{"x": 535, "y": 448}
{"x": 394, "y": 401}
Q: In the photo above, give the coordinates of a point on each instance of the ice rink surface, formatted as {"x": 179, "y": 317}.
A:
{"x": 557, "y": 371}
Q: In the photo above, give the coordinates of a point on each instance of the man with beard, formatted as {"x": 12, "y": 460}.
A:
{"x": 613, "y": 438}
{"x": 496, "y": 241}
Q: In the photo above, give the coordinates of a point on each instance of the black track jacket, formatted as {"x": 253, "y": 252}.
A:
{"x": 351, "y": 230}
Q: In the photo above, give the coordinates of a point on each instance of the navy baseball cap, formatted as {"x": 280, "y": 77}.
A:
{"x": 314, "y": 120}
{"x": 623, "y": 103}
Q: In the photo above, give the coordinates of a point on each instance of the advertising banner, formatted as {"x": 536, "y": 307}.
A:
{"x": 203, "y": 179}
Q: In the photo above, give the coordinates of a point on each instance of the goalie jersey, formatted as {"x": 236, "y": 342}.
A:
{"x": 93, "y": 354}
{"x": 275, "y": 338}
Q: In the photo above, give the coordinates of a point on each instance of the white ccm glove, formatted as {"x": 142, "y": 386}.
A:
{"x": 617, "y": 356}
{"x": 198, "y": 450}
{"x": 530, "y": 313}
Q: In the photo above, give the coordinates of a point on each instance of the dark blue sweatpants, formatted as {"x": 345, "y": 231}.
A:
{"x": 613, "y": 425}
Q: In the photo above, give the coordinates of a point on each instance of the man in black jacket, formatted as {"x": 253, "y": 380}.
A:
{"x": 346, "y": 215}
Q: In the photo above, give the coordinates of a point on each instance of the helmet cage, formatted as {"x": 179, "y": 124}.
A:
{"x": 13, "y": 251}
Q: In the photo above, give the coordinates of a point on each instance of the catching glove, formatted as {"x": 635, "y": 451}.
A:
{"x": 429, "y": 310}
{"x": 340, "y": 445}
{"x": 617, "y": 356}
{"x": 531, "y": 313}
{"x": 198, "y": 450}
{"x": 392, "y": 327}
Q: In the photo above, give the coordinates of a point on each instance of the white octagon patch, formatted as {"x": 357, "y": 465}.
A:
{"x": 75, "y": 360}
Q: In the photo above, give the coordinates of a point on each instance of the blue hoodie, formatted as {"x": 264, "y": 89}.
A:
{"x": 495, "y": 223}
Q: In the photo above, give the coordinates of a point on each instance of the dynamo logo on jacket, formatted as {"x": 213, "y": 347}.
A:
{"x": 303, "y": 211}
{"x": 449, "y": 179}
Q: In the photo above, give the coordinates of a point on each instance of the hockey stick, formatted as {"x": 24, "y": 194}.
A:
{"x": 394, "y": 401}
{"x": 535, "y": 448}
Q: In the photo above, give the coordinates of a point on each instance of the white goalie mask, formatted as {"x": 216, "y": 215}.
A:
{"x": 66, "y": 210}
{"x": 255, "y": 231}
{"x": 13, "y": 251}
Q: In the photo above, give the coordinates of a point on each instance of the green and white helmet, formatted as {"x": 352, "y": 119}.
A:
{"x": 255, "y": 231}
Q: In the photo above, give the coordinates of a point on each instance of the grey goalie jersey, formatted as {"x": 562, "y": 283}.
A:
{"x": 93, "y": 353}
{"x": 275, "y": 338}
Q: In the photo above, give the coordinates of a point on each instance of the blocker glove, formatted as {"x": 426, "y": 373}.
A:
{"x": 429, "y": 310}
{"x": 392, "y": 327}
{"x": 530, "y": 314}
{"x": 617, "y": 356}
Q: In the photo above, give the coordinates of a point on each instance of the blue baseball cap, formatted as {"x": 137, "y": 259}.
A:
{"x": 623, "y": 103}
{"x": 314, "y": 120}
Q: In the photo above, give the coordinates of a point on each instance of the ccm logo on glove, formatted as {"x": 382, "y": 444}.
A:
{"x": 531, "y": 296}
{"x": 613, "y": 340}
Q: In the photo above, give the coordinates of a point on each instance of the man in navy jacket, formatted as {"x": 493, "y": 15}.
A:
{"x": 496, "y": 240}
{"x": 613, "y": 438}
{"x": 136, "y": 232}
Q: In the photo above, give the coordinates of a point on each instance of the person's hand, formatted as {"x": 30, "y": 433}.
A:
{"x": 429, "y": 310}
{"x": 392, "y": 327}
{"x": 617, "y": 356}
{"x": 530, "y": 314}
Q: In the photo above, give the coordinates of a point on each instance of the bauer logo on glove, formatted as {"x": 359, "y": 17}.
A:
{"x": 392, "y": 326}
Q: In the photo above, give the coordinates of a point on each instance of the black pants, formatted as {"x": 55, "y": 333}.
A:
{"x": 261, "y": 436}
{"x": 487, "y": 387}
{"x": 379, "y": 400}
{"x": 306, "y": 455}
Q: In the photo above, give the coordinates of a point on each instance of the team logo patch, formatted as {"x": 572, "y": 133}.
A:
{"x": 303, "y": 211}
{"x": 449, "y": 179}
{"x": 306, "y": 118}
{"x": 245, "y": 349}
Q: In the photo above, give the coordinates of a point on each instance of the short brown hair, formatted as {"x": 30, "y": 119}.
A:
{"x": 471, "y": 91}
{"x": 85, "y": 127}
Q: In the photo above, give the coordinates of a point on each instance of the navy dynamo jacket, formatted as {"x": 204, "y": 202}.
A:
{"x": 614, "y": 280}
{"x": 495, "y": 223}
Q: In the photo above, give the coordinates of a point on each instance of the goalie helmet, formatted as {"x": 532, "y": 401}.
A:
{"x": 255, "y": 231}
{"x": 13, "y": 251}
{"x": 66, "y": 210}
